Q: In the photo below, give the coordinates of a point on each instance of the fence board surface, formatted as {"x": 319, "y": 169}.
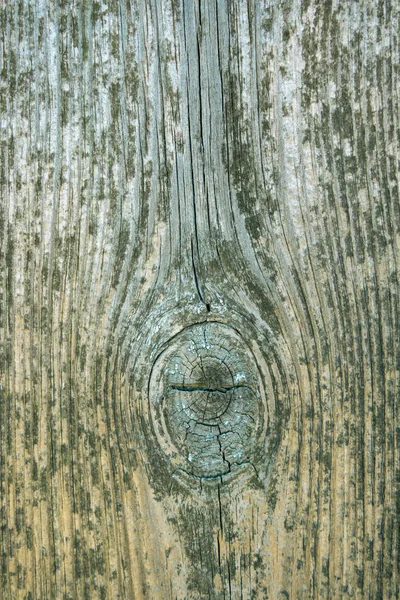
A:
{"x": 199, "y": 314}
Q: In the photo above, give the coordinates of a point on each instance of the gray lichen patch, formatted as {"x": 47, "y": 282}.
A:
{"x": 206, "y": 401}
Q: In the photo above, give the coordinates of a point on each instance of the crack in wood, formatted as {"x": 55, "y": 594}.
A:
{"x": 202, "y": 388}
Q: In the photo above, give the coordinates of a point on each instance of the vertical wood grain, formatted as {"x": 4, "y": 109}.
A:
{"x": 167, "y": 162}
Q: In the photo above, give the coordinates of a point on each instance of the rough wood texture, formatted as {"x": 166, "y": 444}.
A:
{"x": 167, "y": 163}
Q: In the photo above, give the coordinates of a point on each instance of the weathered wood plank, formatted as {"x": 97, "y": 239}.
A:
{"x": 166, "y": 165}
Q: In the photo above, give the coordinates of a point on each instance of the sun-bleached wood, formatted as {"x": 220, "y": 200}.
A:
{"x": 169, "y": 163}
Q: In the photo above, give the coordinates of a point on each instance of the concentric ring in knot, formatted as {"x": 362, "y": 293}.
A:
{"x": 207, "y": 400}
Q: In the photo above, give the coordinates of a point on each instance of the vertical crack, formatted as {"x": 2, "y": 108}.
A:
{"x": 220, "y": 512}
{"x": 222, "y": 452}
{"x": 195, "y": 273}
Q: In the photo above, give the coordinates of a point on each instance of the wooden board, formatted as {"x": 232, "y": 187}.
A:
{"x": 199, "y": 236}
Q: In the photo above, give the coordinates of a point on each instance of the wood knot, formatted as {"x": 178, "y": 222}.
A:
{"x": 206, "y": 401}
